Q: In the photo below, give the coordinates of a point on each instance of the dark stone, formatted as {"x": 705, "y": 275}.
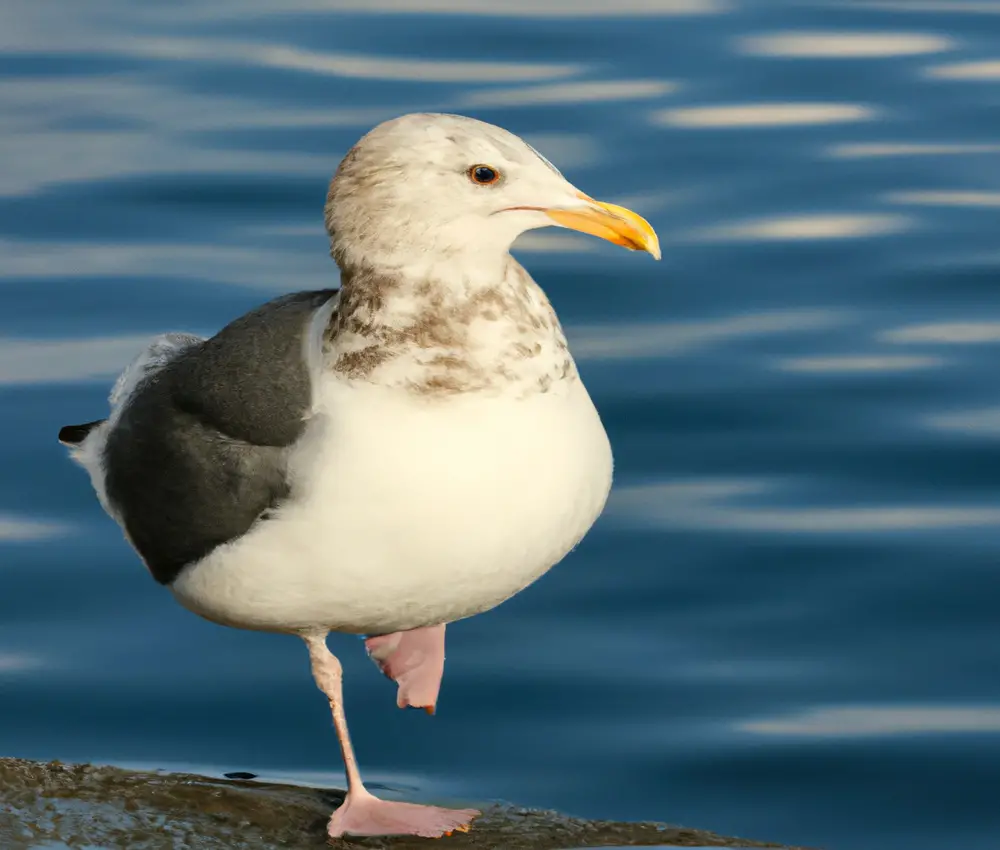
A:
{"x": 83, "y": 806}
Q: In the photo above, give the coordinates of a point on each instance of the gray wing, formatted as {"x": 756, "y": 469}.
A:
{"x": 196, "y": 454}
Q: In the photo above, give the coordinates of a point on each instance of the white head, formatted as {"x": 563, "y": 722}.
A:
{"x": 425, "y": 188}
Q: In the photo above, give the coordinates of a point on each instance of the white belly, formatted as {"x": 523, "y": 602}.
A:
{"x": 406, "y": 513}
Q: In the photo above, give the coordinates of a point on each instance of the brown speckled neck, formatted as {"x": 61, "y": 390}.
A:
{"x": 437, "y": 340}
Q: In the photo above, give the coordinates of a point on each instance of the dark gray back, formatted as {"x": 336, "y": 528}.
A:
{"x": 198, "y": 454}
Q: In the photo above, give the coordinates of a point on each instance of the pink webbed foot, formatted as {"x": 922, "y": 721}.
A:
{"x": 415, "y": 661}
{"x": 364, "y": 814}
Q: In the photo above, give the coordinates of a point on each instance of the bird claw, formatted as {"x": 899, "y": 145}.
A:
{"x": 363, "y": 814}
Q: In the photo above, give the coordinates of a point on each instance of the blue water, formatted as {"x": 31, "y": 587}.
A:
{"x": 785, "y": 625}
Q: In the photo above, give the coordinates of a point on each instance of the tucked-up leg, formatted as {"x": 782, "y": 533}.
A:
{"x": 362, "y": 813}
{"x": 415, "y": 661}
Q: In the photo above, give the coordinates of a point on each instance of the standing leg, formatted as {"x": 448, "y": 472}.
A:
{"x": 362, "y": 813}
{"x": 415, "y": 661}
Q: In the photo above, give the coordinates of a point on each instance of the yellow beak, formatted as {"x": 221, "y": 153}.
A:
{"x": 616, "y": 224}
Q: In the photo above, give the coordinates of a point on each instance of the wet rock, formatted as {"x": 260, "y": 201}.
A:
{"x": 83, "y": 806}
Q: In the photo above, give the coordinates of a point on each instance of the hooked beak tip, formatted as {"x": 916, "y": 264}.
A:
{"x": 613, "y": 223}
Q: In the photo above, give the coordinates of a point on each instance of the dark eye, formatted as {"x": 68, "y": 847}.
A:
{"x": 484, "y": 174}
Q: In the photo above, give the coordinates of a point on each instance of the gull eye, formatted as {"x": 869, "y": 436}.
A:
{"x": 484, "y": 175}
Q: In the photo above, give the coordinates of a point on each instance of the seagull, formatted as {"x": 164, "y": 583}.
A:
{"x": 381, "y": 459}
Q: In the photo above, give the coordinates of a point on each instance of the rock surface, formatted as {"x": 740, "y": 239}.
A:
{"x": 82, "y": 806}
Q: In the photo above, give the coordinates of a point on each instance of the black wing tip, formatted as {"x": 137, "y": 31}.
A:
{"x": 73, "y": 435}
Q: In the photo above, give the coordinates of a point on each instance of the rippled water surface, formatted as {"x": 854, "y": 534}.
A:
{"x": 785, "y": 625}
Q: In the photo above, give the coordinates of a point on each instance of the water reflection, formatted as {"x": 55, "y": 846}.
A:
{"x": 331, "y": 63}
{"x": 945, "y": 332}
{"x": 977, "y": 423}
{"x": 855, "y": 363}
{"x": 670, "y": 339}
{"x": 512, "y": 8}
{"x": 147, "y": 131}
{"x": 28, "y": 361}
{"x": 135, "y": 109}
{"x": 942, "y": 198}
{"x": 593, "y": 91}
{"x": 860, "y": 721}
{"x": 975, "y": 7}
{"x": 16, "y": 662}
{"x": 17, "y": 530}
{"x": 870, "y": 150}
{"x": 804, "y": 226}
{"x": 986, "y": 71}
{"x": 843, "y": 45}
{"x": 764, "y": 115}
{"x": 356, "y": 66}
{"x": 737, "y": 505}
{"x": 277, "y": 264}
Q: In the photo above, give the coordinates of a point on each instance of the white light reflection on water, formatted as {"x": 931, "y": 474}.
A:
{"x": 945, "y": 198}
{"x": 867, "y": 150}
{"x": 491, "y": 8}
{"x": 947, "y": 333}
{"x": 974, "y": 7}
{"x": 855, "y": 363}
{"x": 877, "y": 720}
{"x": 554, "y": 94}
{"x": 150, "y": 131}
{"x": 975, "y": 423}
{"x": 15, "y": 529}
{"x": 745, "y": 115}
{"x": 276, "y": 264}
{"x": 17, "y": 662}
{"x": 843, "y": 45}
{"x": 35, "y": 361}
{"x": 34, "y": 37}
{"x": 350, "y": 65}
{"x": 713, "y": 504}
{"x": 671, "y": 339}
{"x": 803, "y": 227}
{"x": 986, "y": 71}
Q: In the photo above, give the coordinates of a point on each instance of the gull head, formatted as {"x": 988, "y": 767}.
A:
{"x": 428, "y": 188}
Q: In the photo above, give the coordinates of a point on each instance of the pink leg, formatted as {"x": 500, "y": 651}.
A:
{"x": 415, "y": 660}
{"x": 362, "y": 813}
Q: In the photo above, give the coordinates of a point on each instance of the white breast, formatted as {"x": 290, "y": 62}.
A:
{"x": 407, "y": 512}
